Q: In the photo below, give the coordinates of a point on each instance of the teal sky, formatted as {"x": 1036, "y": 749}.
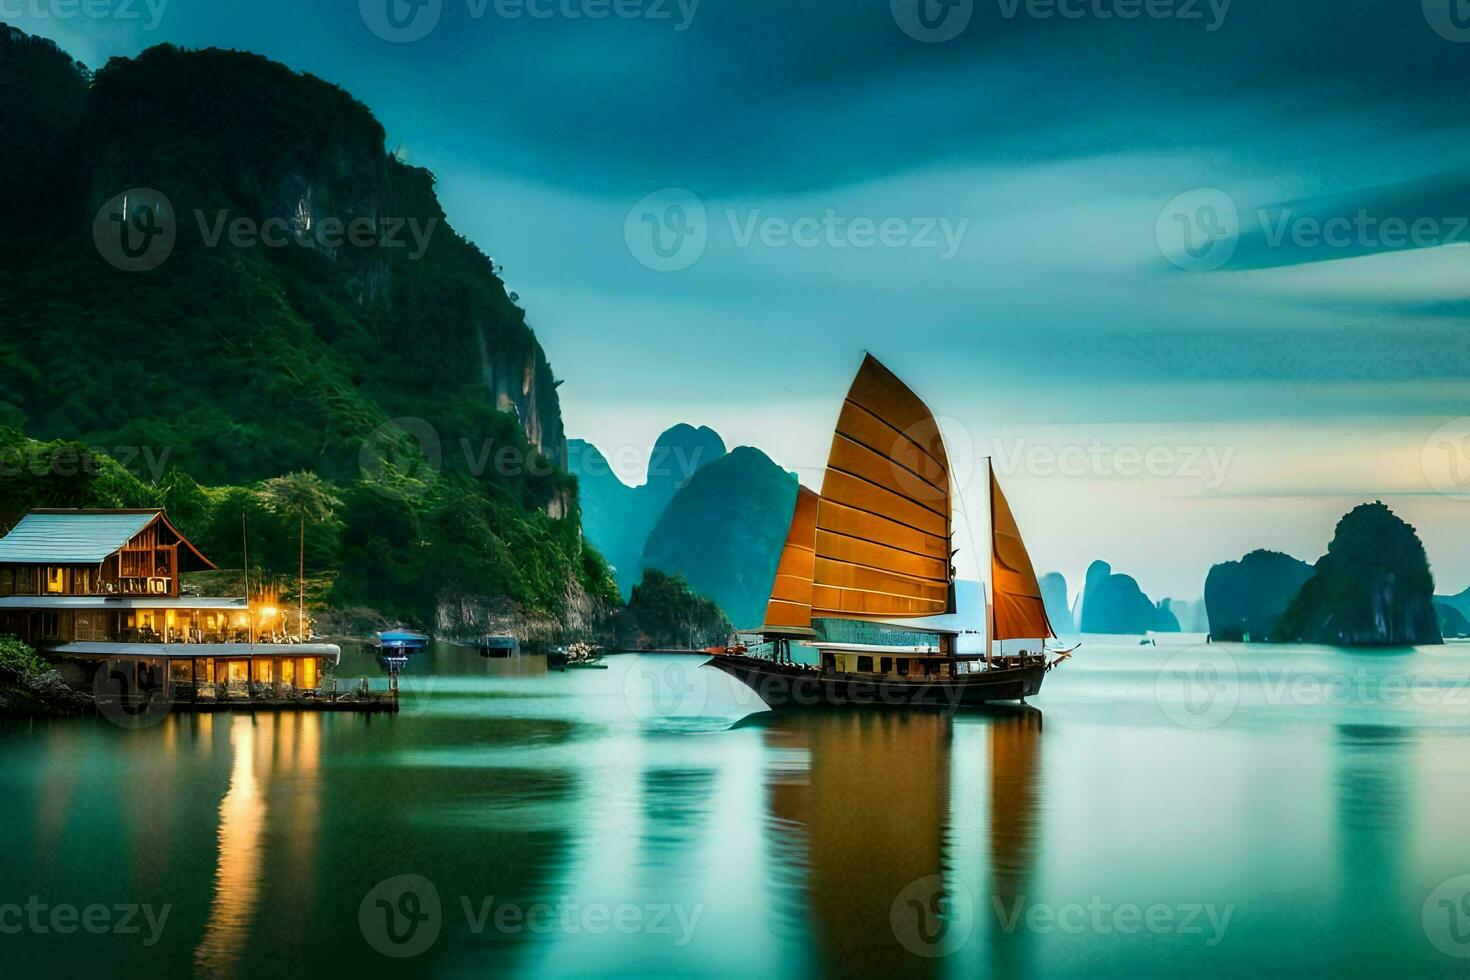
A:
{"x": 1316, "y": 362}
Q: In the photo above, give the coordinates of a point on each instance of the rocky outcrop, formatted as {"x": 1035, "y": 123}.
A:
{"x": 1452, "y": 622}
{"x": 617, "y": 518}
{"x": 723, "y": 532}
{"x": 1054, "y": 598}
{"x": 1372, "y": 588}
{"x": 1245, "y": 599}
{"x": 1113, "y": 603}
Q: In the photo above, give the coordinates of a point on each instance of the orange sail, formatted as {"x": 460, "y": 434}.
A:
{"x": 883, "y": 522}
{"x": 789, "y": 613}
{"x": 1017, "y": 611}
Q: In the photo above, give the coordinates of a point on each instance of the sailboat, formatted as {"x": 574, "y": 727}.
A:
{"x": 875, "y": 547}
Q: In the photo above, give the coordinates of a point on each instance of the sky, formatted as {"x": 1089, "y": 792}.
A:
{"x": 1192, "y": 273}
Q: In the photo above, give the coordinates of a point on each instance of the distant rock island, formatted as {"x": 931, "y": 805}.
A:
{"x": 1454, "y": 614}
{"x": 1245, "y": 599}
{"x": 617, "y": 518}
{"x": 1372, "y": 588}
{"x": 1054, "y": 597}
{"x": 713, "y": 519}
{"x": 723, "y": 532}
{"x": 1113, "y": 603}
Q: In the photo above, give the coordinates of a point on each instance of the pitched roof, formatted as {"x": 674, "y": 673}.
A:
{"x": 80, "y": 537}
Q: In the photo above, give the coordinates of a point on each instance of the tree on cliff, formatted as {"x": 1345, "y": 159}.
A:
{"x": 1372, "y": 588}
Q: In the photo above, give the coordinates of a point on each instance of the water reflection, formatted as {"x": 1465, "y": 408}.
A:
{"x": 237, "y": 874}
{"x": 283, "y": 748}
{"x": 871, "y": 808}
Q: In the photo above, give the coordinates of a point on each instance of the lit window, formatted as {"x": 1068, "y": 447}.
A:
{"x": 55, "y": 580}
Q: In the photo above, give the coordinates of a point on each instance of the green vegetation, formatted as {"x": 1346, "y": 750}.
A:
{"x": 665, "y": 613}
{"x": 407, "y": 387}
{"x": 17, "y": 657}
{"x": 1372, "y": 588}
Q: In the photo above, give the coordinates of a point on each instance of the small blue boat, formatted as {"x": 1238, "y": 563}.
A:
{"x": 398, "y": 643}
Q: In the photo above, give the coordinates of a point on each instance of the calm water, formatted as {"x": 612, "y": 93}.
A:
{"x": 1208, "y": 809}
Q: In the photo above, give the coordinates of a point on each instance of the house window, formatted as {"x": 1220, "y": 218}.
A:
{"x": 7, "y": 581}
{"x": 887, "y": 665}
{"x": 903, "y": 667}
{"x": 24, "y": 581}
{"x": 865, "y": 665}
{"x": 55, "y": 580}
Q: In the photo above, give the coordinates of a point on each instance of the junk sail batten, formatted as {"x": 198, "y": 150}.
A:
{"x": 883, "y": 523}
{"x": 1017, "y": 610}
{"x": 789, "y": 612}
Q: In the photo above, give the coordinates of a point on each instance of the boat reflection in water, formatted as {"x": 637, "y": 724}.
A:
{"x": 901, "y": 871}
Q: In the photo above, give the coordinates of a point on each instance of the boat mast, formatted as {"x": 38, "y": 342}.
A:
{"x": 989, "y": 578}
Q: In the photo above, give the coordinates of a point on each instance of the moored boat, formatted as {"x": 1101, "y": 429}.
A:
{"x": 875, "y": 547}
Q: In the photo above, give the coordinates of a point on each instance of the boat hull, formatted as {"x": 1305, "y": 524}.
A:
{"x": 791, "y": 686}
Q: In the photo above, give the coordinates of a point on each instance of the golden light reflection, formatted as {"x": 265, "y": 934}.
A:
{"x": 237, "y": 875}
